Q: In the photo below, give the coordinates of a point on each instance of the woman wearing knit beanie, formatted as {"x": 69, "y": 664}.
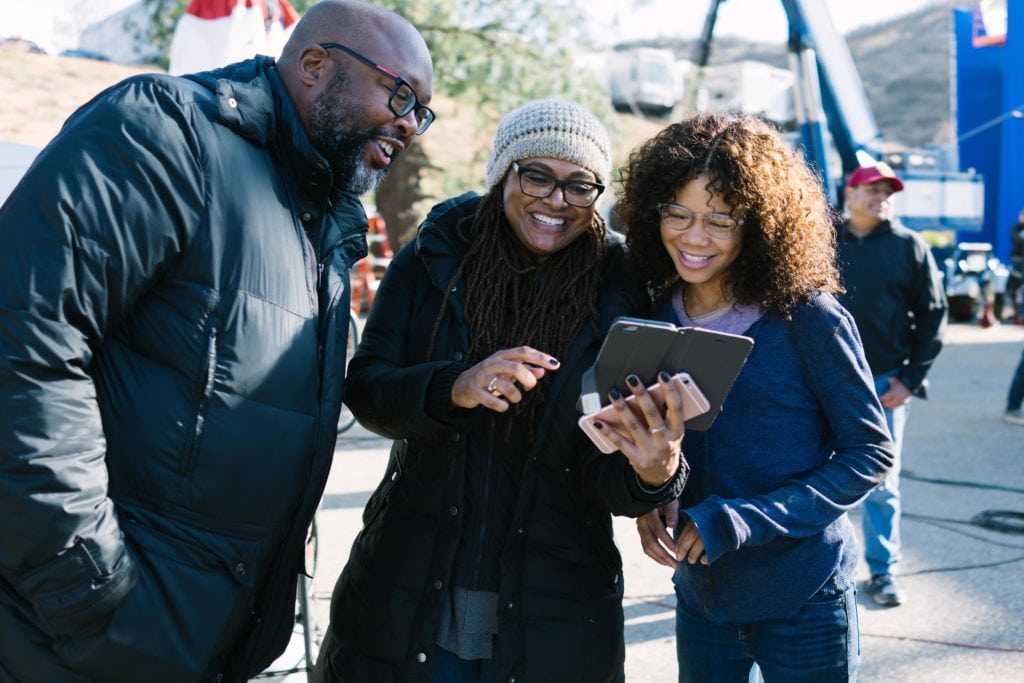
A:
{"x": 487, "y": 550}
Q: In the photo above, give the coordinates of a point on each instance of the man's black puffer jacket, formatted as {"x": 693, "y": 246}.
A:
{"x": 561, "y": 575}
{"x": 173, "y": 317}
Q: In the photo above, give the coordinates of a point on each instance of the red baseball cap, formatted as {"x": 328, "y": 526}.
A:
{"x": 872, "y": 174}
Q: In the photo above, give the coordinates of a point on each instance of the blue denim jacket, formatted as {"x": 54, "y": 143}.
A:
{"x": 800, "y": 440}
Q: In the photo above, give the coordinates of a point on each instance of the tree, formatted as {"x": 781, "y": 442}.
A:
{"x": 493, "y": 55}
{"x": 489, "y": 56}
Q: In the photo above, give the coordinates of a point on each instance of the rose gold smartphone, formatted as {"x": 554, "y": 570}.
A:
{"x": 694, "y": 405}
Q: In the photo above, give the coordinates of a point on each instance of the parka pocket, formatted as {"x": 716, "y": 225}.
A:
{"x": 378, "y": 500}
{"x": 189, "y": 602}
{"x": 72, "y": 592}
{"x": 205, "y": 383}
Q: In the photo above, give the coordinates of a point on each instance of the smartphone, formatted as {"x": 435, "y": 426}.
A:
{"x": 645, "y": 348}
{"x": 694, "y": 405}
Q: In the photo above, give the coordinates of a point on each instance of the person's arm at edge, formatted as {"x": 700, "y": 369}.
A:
{"x": 929, "y": 307}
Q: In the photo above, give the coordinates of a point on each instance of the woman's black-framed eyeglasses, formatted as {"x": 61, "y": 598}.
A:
{"x": 537, "y": 183}
{"x": 403, "y": 98}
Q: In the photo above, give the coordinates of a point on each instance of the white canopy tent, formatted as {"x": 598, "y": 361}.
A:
{"x": 213, "y": 33}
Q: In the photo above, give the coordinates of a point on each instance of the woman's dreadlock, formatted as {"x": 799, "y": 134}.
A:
{"x": 514, "y": 300}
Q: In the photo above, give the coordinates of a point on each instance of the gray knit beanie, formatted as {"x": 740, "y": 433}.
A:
{"x": 555, "y": 129}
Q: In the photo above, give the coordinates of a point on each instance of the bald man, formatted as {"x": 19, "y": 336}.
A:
{"x": 173, "y": 321}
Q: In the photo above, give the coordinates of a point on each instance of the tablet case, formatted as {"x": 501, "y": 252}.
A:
{"x": 646, "y": 347}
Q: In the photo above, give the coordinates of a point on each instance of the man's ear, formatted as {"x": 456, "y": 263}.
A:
{"x": 312, "y": 65}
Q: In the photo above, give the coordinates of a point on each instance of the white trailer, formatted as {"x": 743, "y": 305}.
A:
{"x": 644, "y": 80}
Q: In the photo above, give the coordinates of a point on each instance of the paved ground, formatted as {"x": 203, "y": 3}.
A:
{"x": 964, "y": 620}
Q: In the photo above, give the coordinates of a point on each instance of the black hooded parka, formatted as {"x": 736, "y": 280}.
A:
{"x": 560, "y": 608}
{"x": 173, "y": 317}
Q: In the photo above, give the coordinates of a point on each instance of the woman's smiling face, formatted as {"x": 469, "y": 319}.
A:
{"x": 546, "y": 225}
{"x": 701, "y": 261}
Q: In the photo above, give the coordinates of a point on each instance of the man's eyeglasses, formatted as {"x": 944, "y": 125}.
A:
{"x": 403, "y": 98}
{"x": 535, "y": 183}
{"x": 677, "y": 217}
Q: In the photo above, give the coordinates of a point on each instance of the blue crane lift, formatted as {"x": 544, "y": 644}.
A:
{"x": 838, "y": 131}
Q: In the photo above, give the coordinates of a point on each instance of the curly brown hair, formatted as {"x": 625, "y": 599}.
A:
{"x": 789, "y": 243}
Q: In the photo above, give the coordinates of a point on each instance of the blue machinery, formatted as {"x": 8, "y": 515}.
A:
{"x": 833, "y": 113}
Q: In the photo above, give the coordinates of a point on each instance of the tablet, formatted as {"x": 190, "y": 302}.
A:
{"x": 646, "y": 347}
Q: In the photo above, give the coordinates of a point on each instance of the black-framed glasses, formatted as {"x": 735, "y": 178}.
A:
{"x": 403, "y": 98}
{"x": 677, "y": 217}
{"x": 536, "y": 183}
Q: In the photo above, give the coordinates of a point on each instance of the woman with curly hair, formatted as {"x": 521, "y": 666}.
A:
{"x": 733, "y": 233}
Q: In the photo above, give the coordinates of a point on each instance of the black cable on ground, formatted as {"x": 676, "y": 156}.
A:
{"x": 910, "y": 474}
{"x": 1005, "y": 521}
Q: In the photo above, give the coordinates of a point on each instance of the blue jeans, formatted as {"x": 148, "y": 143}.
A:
{"x": 882, "y": 545}
{"x": 820, "y": 644}
{"x": 1016, "y": 396}
{"x": 448, "y": 667}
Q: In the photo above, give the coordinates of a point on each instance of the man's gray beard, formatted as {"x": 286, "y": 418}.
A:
{"x": 365, "y": 179}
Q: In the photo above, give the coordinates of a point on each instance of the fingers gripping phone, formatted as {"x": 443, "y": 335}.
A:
{"x": 694, "y": 404}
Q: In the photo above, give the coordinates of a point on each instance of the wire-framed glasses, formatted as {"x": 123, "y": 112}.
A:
{"x": 536, "y": 183}
{"x": 403, "y": 99}
{"x": 677, "y": 217}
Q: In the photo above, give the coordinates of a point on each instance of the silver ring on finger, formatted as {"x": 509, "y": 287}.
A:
{"x": 492, "y": 387}
{"x": 656, "y": 430}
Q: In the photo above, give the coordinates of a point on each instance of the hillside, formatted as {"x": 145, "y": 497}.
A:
{"x": 904, "y": 64}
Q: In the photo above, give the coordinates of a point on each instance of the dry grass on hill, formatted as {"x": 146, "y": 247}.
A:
{"x": 41, "y": 91}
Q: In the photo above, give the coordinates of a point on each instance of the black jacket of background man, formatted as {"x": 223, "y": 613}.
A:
{"x": 894, "y": 292}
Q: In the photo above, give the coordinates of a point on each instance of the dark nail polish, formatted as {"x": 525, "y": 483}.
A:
{"x": 615, "y": 394}
{"x": 599, "y": 425}
{"x": 664, "y": 376}
{"x": 632, "y": 380}
{"x": 553, "y": 362}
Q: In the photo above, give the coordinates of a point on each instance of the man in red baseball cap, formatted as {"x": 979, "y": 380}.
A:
{"x": 894, "y": 292}
{"x": 866, "y": 175}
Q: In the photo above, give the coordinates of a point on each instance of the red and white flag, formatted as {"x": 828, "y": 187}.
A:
{"x": 213, "y": 33}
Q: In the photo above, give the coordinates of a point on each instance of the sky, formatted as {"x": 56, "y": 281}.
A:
{"x": 50, "y": 22}
{"x": 757, "y": 20}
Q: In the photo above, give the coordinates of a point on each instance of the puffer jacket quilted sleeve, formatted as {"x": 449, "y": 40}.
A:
{"x": 82, "y": 242}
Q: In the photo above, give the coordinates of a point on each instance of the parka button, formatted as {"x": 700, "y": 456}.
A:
{"x": 233, "y": 103}
{"x": 458, "y": 355}
{"x": 306, "y": 217}
{"x": 421, "y": 657}
{"x": 437, "y": 584}
{"x": 453, "y": 511}
{"x": 510, "y": 604}
{"x": 456, "y": 436}
{"x": 520, "y": 531}
{"x": 240, "y": 569}
{"x": 511, "y": 679}
{"x": 394, "y": 476}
